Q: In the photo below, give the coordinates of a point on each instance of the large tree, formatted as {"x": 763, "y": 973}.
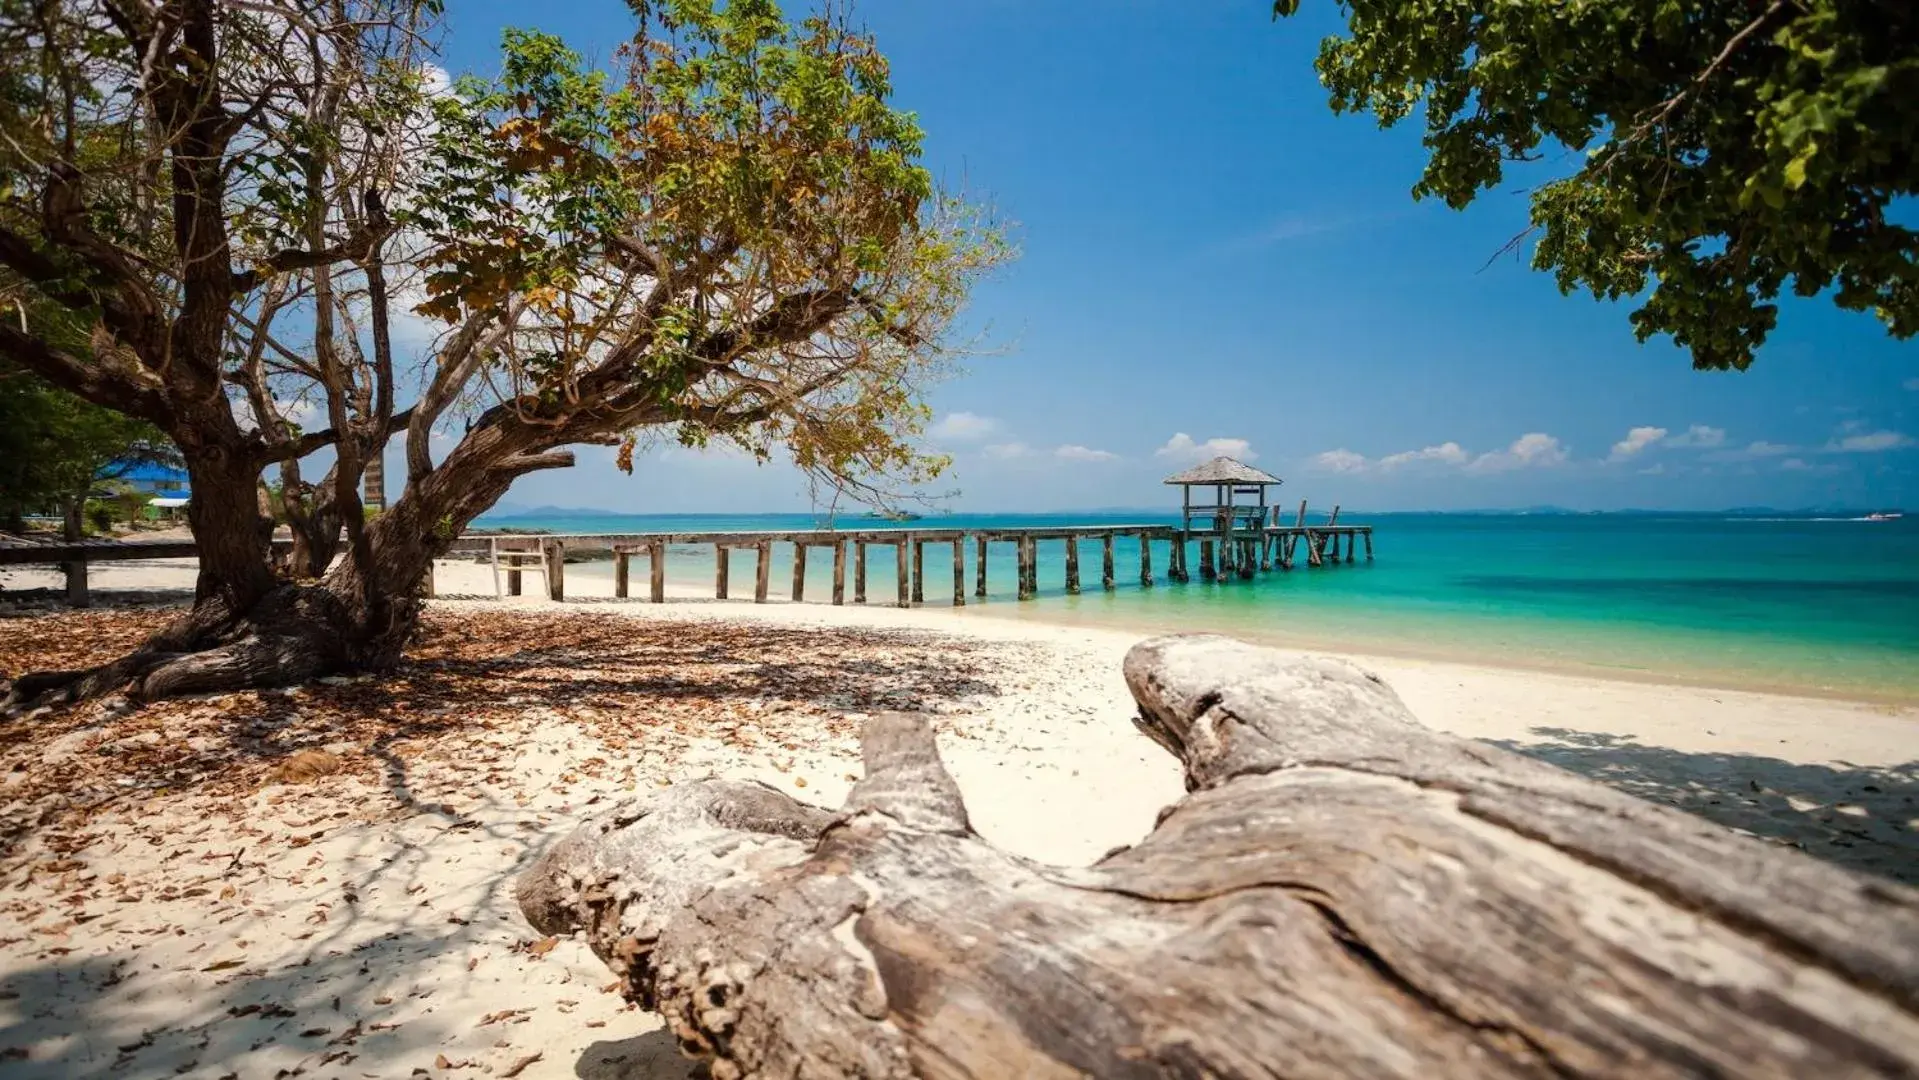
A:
{"x": 229, "y": 207}
{"x": 1731, "y": 148}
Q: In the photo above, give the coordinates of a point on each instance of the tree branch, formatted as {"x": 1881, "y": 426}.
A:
{"x": 355, "y": 248}
{"x": 525, "y": 463}
{"x": 89, "y": 379}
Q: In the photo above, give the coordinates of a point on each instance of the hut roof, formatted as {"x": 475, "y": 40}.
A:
{"x": 1223, "y": 470}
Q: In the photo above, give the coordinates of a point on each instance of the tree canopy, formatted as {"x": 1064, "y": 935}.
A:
{"x": 272, "y": 229}
{"x": 1727, "y": 150}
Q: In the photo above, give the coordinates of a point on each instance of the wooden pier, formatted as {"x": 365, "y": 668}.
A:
{"x": 1238, "y": 547}
{"x": 1232, "y": 555}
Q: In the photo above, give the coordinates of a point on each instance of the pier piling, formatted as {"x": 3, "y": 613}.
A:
{"x": 919, "y": 571}
{"x": 1145, "y": 561}
{"x": 1072, "y": 565}
{"x": 839, "y": 572}
{"x": 721, "y": 565}
{"x": 904, "y": 582}
{"x": 656, "y": 570}
{"x": 959, "y": 571}
{"x": 799, "y": 572}
{"x": 979, "y": 568}
{"x": 1106, "y": 562}
{"x": 620, "y": 571}
{"x": 859, "y": 571}
{"x": 555, "y": 552}
{"x": 762, "y": 571}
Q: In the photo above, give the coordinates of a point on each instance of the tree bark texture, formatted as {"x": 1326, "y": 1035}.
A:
{"x": 1341, "y": 893}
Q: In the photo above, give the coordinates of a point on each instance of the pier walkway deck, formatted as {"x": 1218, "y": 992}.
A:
{"x": 1223, "y": 556}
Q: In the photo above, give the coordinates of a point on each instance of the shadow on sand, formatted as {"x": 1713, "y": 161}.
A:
{"x": 1859, "y": 817}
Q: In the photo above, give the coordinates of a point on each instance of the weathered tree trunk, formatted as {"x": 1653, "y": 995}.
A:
{"x": 314, "y": 521}
{"x": 1342, "y": 893}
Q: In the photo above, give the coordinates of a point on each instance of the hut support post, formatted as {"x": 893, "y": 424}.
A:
{"x": 1106, "y": 562}
{"x": 1206, "y": 560}
{"x": 839, "y": 572}
{"x": 656, "y": 569}
{"x": 1369, "y": 545}
{"x": 1072, "y": 566}
{"x": 799, "y": 572}
{"x": 762, "y": 571}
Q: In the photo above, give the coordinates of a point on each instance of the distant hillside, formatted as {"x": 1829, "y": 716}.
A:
{"x": 514, "y": 510}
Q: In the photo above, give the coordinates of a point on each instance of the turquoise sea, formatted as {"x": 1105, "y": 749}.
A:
{"x": 1808, "y": 604}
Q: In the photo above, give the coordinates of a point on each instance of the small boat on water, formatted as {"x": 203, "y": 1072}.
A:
{"x": 1888, "y": 516}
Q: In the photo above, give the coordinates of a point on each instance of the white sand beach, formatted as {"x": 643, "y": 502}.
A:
{"x": 318, "y": 882}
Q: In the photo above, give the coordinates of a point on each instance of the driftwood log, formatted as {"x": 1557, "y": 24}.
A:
{"x": 1342, "y": 893}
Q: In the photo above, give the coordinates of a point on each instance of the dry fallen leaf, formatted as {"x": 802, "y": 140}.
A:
{"x": 542, "y": 946}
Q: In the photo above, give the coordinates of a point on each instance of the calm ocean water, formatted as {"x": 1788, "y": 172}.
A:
{"x": 1827, "y": 605}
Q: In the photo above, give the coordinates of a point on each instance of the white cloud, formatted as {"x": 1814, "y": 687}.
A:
{"x": 1911, "y": 384}
{"x": 300, "y": 412}
{"x": 963, "y": 427}
{"x": 1793, "y": 464}
{"x": 1007, "y": 451}
{"x": 1535, "y": 449}
{"x": 1341, "y": 461}
{"x": 1076, "y": 452}
{"x": 1654, "y": 470}
{"x": 1182, "y": 447}
{"x": 1636, "y": 440}
{"x": 1870, "y": 442}
{"x": 1752, "y": 451}
{"x": 1699, "y": 436}
{"x": 1446, "y": 453}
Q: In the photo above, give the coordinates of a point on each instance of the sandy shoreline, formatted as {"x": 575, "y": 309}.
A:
{"x": 218, "y": 913}
{"x": 591, "y": 582}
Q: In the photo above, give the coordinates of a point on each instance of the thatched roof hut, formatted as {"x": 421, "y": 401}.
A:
{"x": 1227, "y": 478}
{"x": 1224, "y": 470}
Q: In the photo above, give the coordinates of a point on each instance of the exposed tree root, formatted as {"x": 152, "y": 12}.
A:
{"x": 296, "y": 633}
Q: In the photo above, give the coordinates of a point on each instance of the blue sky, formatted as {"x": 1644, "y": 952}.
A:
{"x": 1212, "y": 260}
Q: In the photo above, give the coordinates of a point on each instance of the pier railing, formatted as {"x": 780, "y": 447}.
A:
{"x": 1232, "y": 554}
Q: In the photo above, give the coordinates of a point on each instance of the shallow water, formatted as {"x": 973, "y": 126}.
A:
{"x": 1819, "y": 605}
